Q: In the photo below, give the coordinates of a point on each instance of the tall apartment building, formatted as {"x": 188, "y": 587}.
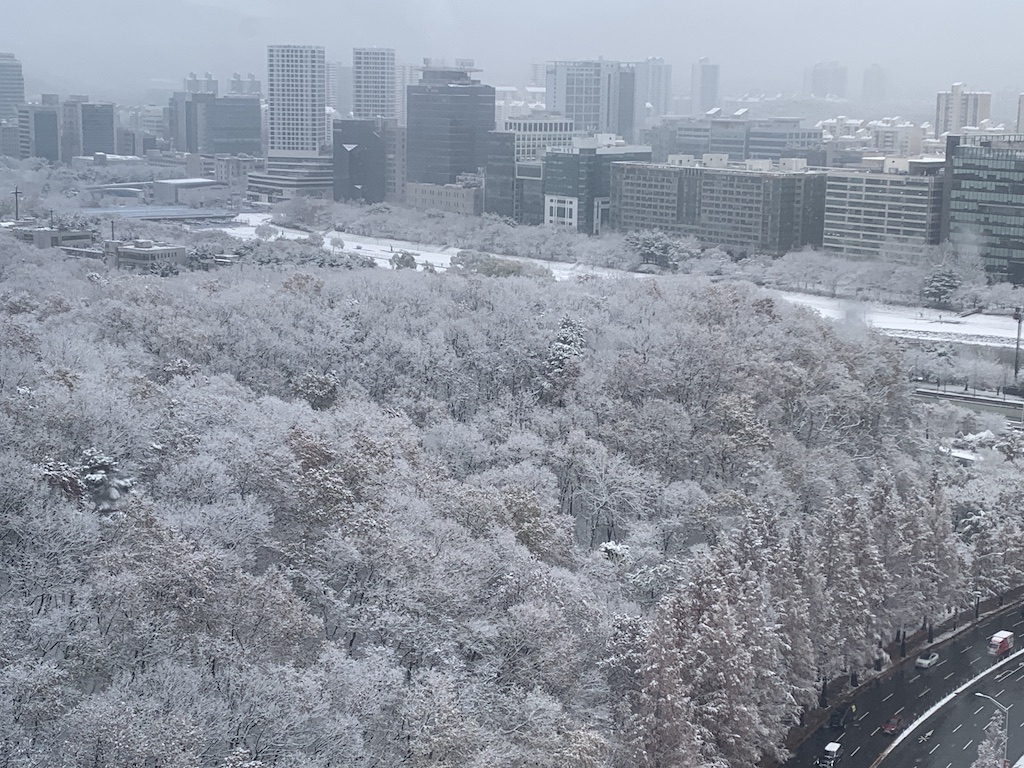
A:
{"x": 894, "y": 214}
{"x": 373, "y": 83}
{"x": 984, "y": 196}
{"x": 754, "y": 207}
{"x": 514, "y": 175}
{"x": 405, "y": 75}
{"x": 205, "y": 84}
{"x": 12, "y": 87}
{"x": 250, "y": 86}
{"x": 598, "y": 96}
{"x": 577, "y": 181}
{"x": 876, "y": 87}
{"x": 39, "y": 132}
{"x": 704, "y": 95}
{"x": 959, "y": 108}
{"x": 450, "y": 115}
{"x": 826, "y": 79}
{"x": 653, "y": 88}
{"x": 339, "y": 88}
{"x": 298, "y": 152}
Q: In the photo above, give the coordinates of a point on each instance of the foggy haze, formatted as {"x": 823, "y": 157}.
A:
{"x": 120, "y": 49}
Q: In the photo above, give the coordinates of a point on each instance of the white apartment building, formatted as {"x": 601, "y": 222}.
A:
{"x": 373, "y": 83}
{"x": 405, "y": 75}
{"x": 299, "y": 149}
{"x": 894, "y": 214}
{"x": 587, "y": 92}
{"x": 958, "y": 108}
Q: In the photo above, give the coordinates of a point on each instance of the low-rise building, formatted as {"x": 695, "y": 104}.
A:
{"x": 751, "y": 207}
{"x": 465, "y": 197}
{"x": 892, "y": 213}
{"x": 143, "y": 255}
{"x": 196, "y": 193}
{"x": 52, "y": 237}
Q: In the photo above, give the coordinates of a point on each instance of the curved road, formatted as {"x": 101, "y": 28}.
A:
{"x": 910, "y": 692}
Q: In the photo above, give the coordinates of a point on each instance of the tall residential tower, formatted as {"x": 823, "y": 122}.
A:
{"x": 373, "y": 83}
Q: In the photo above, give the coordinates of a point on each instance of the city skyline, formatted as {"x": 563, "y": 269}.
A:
{"x": 762, "y": 55}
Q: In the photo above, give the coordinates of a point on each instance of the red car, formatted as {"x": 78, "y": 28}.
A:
{"x": 893, "y": 725}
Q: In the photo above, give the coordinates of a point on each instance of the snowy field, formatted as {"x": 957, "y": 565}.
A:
{"x": 904, "y": 322}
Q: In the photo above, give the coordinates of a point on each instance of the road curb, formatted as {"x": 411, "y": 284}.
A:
{"x": 900, "y": 738}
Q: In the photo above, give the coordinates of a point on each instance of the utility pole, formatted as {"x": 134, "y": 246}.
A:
{"x": 17, "y": 194}
{"x": 1018, "y": 315}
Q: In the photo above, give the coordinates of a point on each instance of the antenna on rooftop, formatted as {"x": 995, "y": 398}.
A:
{"x": 17, "y": 194}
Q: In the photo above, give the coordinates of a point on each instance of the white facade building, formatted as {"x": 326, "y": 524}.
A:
{"x": 959, "y": 108}
{"x": 373, "y": 83}
{"x": 405, "y": 75}
{"x": 536, "y": 134}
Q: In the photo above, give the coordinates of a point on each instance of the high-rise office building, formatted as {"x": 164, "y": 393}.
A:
{"x": 984, "y": 196}
{"x": 826, "y": 80}
{"x": 704, "y": 95}
{"x": 373, "y": 83}
{"x": 876, "y": 85}
{"x": 207, "y": 124}
{"x": 959, "y": 108}
{"x": 99, "y": 123}
{"x": 360, "y": 159}
{"x": 12, "y": 87}
{"x": 449, "y": 115}
{"x": 590, "y": 93}
{"x": 653, "y": 88}
{"x": 299, "y": 151}
{"x": 39, "y": 132}
{"x": 339, "y": 87}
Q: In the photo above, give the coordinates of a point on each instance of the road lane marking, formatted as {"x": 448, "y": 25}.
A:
{"x": 975, "y": 661}
{"x": 1019, "y": 623}
{"x": 979, "y": 709}
{"x": 949, "y": 675}
{"x": 880, "y": 728}
{"x": 968, "y": 743}
{"x": 924, "y": 692}
{"x": 1000, "y": 694}
{"x": 961, "y": 726}
{"x": 933, "y": 749}
{"x": 913, "y": 678}
{"x": 862, "y": 717}
{"x": 855, "y": 752}
{"x": 941, "y": 663}
{"x": 965, "y": 650}
{"x": 899, "y": 710}
{"x": 888, "y": 697}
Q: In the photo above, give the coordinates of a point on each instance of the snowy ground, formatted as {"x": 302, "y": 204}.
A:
{"x": 905, "y": 322}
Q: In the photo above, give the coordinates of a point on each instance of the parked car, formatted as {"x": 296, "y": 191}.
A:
{"x": 893, "y": 725}
{"x": 833, "y": 751}
{"x": 926, "y": 660}
{"x": 840, "y": 717}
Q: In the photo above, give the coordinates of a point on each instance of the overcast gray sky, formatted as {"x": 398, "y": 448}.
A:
{"x": 118, "y": 48}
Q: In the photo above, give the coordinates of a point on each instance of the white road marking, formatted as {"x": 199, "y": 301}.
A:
{"x": 1019, "y": 623}
{"x": 941, "y": 663}
{"x": 914, "y": 678}
{"x": 968, "y": 743}
{"x": 862, "y": 717}
{"x": 933, "y": 749}
{"x": 888, "y": 697}
{"x": 924, "y": 692}
{"x": 978, "y": 709}
{"x": 958, "y": 727}
{"x": 1000, "y": 694}
{"x": 949, "y": 675}
{"x": 880, "y": 728}
{"x": 965, "y": 650}
{"x": 975, "y": 661}
{"x": 899, "y": 710}
{"x": 855, "y": 752}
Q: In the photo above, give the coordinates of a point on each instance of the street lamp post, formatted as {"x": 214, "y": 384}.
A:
{"x": 1018, "y": 315}
{"x": 1006, "y": 722}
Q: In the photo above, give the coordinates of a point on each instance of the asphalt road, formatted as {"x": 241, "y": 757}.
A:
{"x": 910, "y": 692}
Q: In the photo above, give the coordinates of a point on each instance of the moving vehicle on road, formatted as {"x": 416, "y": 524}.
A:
{"x": 1000, "y": 644}
{"x": 893, "y": 725}
{"x": 927, "y": 660}
{"x": 833, "y": 751}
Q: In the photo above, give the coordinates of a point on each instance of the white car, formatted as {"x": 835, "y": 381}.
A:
{"x": 926, "y": 660}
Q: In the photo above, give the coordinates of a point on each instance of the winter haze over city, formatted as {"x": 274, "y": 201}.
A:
{"x": 558, "y": 385}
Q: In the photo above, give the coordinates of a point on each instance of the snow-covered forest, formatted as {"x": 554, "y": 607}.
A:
{"x": 308, "y": 517}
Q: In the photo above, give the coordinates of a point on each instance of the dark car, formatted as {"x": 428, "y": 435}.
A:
{"x": 840, "y": 717}
{"x": 893, "y": 725}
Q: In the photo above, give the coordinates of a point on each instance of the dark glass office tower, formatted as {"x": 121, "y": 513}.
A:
{"x": 360, "y": 160}
{"x": 98, "y": 128}
{"x": 449, "y": 115}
